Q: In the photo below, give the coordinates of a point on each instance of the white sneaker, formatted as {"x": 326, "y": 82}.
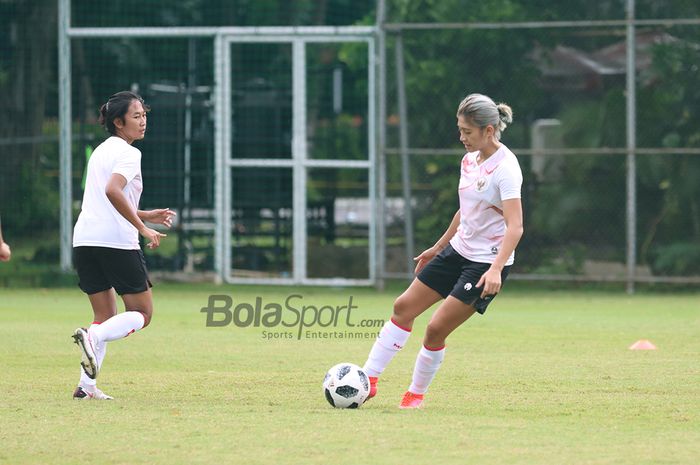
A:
{"x": 82, "y": 393}
{"x": 89, "y": 360}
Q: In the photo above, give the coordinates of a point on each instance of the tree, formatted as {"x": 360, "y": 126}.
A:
{"x": 26, "y": 74}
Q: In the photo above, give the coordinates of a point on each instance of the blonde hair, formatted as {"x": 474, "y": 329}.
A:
{"x": 482, "y": 111}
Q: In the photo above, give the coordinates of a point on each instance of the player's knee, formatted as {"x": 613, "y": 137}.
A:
{"x": 146, "y": 316}
{"x": 434, "y": 335}
{"x": 402, "y": 316}
{"x": 401, "y": 306}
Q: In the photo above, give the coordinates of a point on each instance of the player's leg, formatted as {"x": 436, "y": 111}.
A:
{"x": 393, "y": 336}
{"x": 414, "y": 301}
{"x": 127, "y": 272}
{"x": 104, "y": 306}
{"x": 138, "y": 310}
{"x": 448, "y": 317}
{"x": 434, "y": 282}
{"x": 464, "y": 300}
{"x": 141, "y": 303}
{"x": 116, "y": 327}
{"x": 102, "y": 298}
{"x": 96, "y": 285}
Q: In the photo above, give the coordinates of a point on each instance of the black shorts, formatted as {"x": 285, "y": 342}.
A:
{"x": 451, "y": 274}
{"x": 102, "y": 268}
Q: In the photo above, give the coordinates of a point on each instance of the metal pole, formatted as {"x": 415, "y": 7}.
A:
{"x": 221, "y": 170}
{"x": 187, "y": 187}
{"x": 372, "y": 148}
{"x": 226, "y": 154}
{"x": 189, "y": 90}
{"x": 631, "y": 146}
{"x": 665, "y": 22}
{"x": 65, "y": 141}
{"x": 381, "y": 144}
{"x": 405, "y": 157}
{"x": 273, "y": 33}
{"x": 299, "y": 156}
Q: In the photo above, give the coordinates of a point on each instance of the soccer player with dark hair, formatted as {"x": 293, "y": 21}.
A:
{"x": 106, "y": 251}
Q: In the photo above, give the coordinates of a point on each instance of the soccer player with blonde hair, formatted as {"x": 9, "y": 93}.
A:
{"x": 468, "y": 265}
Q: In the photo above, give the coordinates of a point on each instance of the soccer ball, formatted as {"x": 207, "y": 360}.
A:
{"x": 346, "y": 386}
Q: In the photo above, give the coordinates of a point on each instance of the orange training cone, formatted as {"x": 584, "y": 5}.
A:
{"x": 643, "y": 344}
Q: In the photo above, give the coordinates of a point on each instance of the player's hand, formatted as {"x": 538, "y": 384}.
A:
{"x": 491, "y": 281}
{"x": 153, "y": 236}
{"x": 162, "y": 216}
{"x": 423, "y": 259}
{"x": 5, "y": 252}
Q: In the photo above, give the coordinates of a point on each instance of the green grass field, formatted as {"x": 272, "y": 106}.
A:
{"x": 545, "y": 377}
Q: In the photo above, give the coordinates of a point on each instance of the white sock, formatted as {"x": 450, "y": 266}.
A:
{"x": 85, "y": 380}
{"x": 390, "y": 340}
{"x": 117, "y": 327}
{"x": 427, "y": 365}
{"x": 101, "y": 352}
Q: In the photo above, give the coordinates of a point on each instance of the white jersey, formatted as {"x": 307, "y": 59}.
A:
{"x": 99, "y": 223}
{"x": 482, "y": 190}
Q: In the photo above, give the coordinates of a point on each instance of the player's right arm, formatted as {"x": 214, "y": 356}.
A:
{"x": 5, "y": 252}
{"x": 115, "y": 193}
{"x": 428, "y": 254}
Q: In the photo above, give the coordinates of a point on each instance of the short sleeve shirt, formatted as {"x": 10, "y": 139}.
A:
{"x": 99, "y": 223}
{"x": 482, "y": 190}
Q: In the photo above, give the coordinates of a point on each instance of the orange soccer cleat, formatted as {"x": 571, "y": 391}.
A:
{"x": 411, "y": 400}
{"x": 372, "y": 386}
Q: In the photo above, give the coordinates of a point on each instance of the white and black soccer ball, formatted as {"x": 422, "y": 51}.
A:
{"x": 346, "y": 386}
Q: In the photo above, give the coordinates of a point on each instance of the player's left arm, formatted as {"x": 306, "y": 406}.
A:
{"x": 513, "y": 216}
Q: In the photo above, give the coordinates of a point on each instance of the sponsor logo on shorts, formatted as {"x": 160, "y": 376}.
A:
{"x": 468, "y": 287}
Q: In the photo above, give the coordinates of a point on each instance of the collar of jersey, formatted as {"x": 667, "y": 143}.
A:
{"x": 493, "y": 161}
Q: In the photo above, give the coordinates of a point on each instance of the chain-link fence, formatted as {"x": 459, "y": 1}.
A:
{"x": 231, "y": 106}
{"x": 603, "y": 199}
{"x": 610, "y": 190}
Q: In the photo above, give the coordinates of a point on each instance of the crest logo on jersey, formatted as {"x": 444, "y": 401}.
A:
{"x": 494, "y": 250}
{"x": 482, "y": 183}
